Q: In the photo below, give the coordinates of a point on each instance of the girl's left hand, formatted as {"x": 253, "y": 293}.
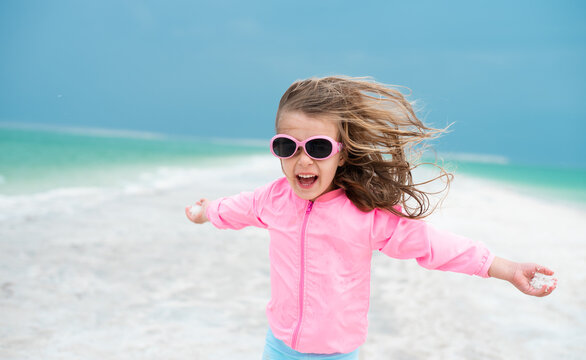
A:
{"x": 524, "y": 273}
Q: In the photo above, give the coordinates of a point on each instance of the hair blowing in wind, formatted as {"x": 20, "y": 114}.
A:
{"x": 379, "y": 130}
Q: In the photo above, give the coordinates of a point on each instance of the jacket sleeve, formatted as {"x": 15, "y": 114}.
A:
{"x": 433, "y": 248}
{"x": 238, "y": 211}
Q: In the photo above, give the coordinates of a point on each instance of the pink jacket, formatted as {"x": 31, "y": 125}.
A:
{"x": 320, "y": 256}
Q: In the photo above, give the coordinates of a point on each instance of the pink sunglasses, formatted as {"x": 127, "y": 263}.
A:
{"x": 316, "y": 147}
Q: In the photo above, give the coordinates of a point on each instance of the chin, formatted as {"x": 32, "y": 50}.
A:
{"x": 307, "y": 194}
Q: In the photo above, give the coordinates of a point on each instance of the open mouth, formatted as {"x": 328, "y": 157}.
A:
{"x": 306, "y": 180}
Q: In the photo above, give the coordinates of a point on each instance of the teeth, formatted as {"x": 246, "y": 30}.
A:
{"x": 306, "y": 176}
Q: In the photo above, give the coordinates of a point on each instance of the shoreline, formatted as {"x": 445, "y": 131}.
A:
{"x": 545, "y": 194}
{"x": 159, "y": 178}
{"x": 42, "y": 160}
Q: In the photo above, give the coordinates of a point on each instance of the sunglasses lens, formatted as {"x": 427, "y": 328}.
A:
{"x": 284, "y": 147}
{"x": 318, "y": 148}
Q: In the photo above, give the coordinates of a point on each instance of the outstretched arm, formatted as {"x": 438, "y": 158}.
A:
{"x": 198, "y": 217}
{"x": 520, "y": 275}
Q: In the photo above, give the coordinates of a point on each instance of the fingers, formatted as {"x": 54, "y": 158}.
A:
{"x": 543, "y": 270}
{"x": 544, "y": 291}
{"x": 195, "y": 214}
{"x": 189, "y": 214}
{"x": 192, "y": 213}
{"x": 536, "y": 280}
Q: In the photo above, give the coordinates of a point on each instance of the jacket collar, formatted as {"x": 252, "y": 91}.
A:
{"x": 330, "y": 195}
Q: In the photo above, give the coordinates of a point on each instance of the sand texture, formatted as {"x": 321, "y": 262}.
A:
{"x": 128, "y": 277}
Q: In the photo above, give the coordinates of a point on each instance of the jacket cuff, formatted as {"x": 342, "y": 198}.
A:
{"x": 488, "y": 259}
{"x": 213, "y": 213}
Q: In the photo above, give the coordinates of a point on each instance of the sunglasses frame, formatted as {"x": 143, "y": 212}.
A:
{"x": 336, "y": 146}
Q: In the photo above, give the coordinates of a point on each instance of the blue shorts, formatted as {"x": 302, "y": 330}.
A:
{"x": 276, "y": 349}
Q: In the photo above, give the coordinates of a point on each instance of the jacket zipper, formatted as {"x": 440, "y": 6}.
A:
{"x": 302, "y": 276}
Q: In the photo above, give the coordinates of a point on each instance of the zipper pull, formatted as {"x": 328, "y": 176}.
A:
{"x": 309, "y": 206}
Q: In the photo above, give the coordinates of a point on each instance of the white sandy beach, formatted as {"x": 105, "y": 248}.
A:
{"x": 124, "y": 275}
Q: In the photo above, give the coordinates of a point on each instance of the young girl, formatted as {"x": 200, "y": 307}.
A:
{"x": 342, "y": 143}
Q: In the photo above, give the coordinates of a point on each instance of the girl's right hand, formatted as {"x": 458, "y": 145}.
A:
{"x": 197, "y": 216}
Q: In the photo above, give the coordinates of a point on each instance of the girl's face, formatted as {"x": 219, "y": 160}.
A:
{"x": 309, "y": 178}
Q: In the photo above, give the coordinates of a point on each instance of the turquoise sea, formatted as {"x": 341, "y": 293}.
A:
{"x": 34, "y": 160}
{"x": 37, "y": 160}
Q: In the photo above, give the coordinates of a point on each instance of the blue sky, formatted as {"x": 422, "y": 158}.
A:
{"x": 509, "y": 74}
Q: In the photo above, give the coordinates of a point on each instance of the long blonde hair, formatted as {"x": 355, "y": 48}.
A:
{"x": 377, "y": 126}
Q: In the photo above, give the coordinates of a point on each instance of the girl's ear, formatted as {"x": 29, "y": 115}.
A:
{"x": 341, "y": 161}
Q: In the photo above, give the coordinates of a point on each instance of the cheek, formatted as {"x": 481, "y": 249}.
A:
{"x": 337, "y": 161}
{"x": 331, "y": 167}
{"x": 286, "y": 166}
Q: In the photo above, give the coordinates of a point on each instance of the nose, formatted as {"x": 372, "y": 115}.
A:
{"x": 304, "y": 159}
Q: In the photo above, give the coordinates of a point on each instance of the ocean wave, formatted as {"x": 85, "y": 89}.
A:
{"x": 87, "y": 131}
{"x": 69, "y": 200}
